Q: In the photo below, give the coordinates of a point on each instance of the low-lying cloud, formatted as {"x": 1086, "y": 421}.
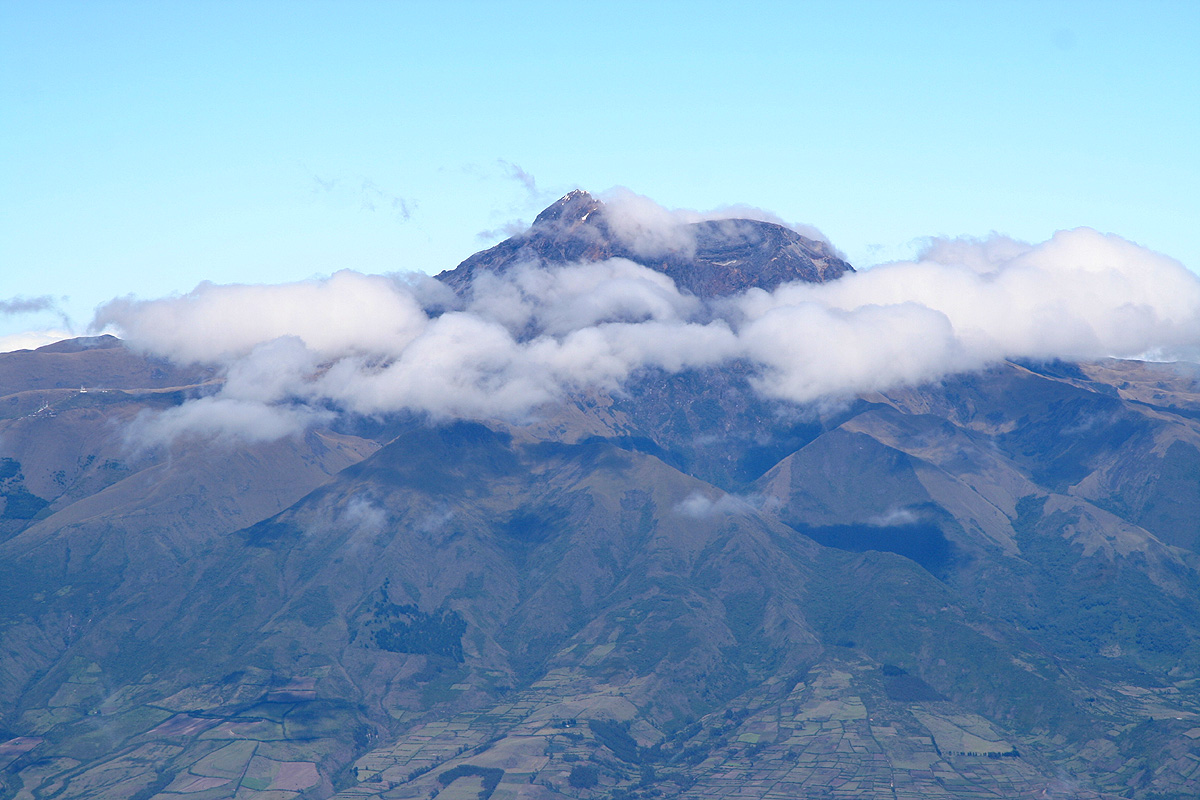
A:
{"x": 650, "y": 230}
{"x": 697, "y": 505}
{"x": 292, "y": 355}
{"x": 965, "y": 304}
{"x": 894, "y": 517}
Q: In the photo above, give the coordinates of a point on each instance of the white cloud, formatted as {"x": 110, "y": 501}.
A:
{"x": 362, "y": 515}
{"x": 461, "y": 366}
{"x": 225, "y": 419}
{"x": 651, "y": 230}
{"x": 699, "y": 506}
{"x": 373, "y": 344}
{"x": 894, "y": 517}
{"x": 341, "y": 315}
{"x": 561, "y": 300}
{"x": 1080, "y": 295}
{"x": 809, "y": 350}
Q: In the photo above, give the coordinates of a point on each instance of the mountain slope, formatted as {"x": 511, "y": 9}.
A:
{"x": 986, "y": 586}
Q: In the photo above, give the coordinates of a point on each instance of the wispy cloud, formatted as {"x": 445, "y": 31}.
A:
{"x": 534, "y": 197}
{"x": 364, "y": 193}
{"x": 27, "y": 305}
{"x": 518, "y": 174}
{"x": 39, "y": 335}
{"x": 510, "y": 228}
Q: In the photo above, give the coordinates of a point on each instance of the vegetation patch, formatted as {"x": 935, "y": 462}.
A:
{"x": 615, "y": 736}
{"x": 904, "y": 688}
{"x": 583, "y": 776}
{"x": 449, "y": 460}
{"x": 531, "y": 527}
{"x": 491, "y": 777}
{"x": 19, "y": 502}
{"x": 404, "y": 628}
{"x": 921, "y": 541}
{"x": 271, "y": 532}
{"x": 23, "y": 505}
{"x": 1095, "y": 604}
{"x": 9, "y": 468}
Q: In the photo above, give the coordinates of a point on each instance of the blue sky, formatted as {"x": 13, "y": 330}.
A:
{"x": 150, "y": 146}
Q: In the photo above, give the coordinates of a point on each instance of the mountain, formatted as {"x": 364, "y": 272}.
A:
{"x": 709, "y": 259}
{"x": 983, "y": 587}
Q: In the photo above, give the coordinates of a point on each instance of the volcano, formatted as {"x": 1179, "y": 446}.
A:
{"x": 983, "y": 587}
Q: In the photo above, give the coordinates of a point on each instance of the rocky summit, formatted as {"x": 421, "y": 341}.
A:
{"x": 709, "y": 259}
{"x": 983, "y": 587}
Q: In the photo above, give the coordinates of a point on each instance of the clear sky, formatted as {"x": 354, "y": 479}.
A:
{"x": 145, "y": 147}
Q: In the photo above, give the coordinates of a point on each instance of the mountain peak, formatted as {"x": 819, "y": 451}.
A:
{"x": 715, "y": 257}
{"x": 573, "y": 207}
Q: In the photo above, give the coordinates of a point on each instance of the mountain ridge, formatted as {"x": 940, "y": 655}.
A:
{"x": 711, "y": 258}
